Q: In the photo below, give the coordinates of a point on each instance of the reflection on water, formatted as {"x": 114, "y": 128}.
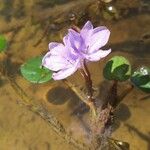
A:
{"x": 29, "y": 26}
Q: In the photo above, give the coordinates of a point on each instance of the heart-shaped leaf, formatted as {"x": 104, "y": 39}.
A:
{"x": 141, "y": 79}
{"x": 117, "y": 68}
{"x": 34, "y": 72}
{"x": 3, "y": 43}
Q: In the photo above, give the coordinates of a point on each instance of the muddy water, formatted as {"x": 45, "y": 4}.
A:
{"x": 23, "y": 24}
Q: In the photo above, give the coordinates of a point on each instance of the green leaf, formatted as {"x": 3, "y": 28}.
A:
{"x": 3, "y": 43}
{"x": 34, "y": 72}
{"x": 141, "y": 79}
{"x": 117, "y": 68}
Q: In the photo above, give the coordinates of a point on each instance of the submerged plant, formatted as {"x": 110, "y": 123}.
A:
{"x": 79, "y": 47}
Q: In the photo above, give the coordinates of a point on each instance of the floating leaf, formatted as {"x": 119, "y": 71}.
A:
{"x": 34, "y": 72}
{"x": 141, "y": 79}
{"x": 117, "y": 68}
{"x": 3, "y": 43}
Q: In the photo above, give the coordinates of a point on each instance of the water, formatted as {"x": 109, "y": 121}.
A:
{"x": 24, "y": 24}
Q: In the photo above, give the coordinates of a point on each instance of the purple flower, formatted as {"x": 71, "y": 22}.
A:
{"x": 64, "y": 59}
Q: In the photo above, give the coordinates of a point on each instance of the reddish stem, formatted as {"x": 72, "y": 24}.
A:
{"x": 113, "y": 94}
{"x": 86, "y": 74}
{"x": 77, "y": 29}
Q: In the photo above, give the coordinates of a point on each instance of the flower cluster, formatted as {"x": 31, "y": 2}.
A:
{"x": 64, "y": 59}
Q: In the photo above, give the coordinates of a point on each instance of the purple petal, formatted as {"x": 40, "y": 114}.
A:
{"x": 98, "y": 29}
{"x": 53, "y": 45}
{"x": 96, "y": 56}
{"x": 57, "y": 48}
{"x": 75, "y": 39}
{"x": 99, "y": 38}
{"x": 62, "y": 51}
{"x": 86, "y": 32}
{"x": 54, "y": 62}
{"x": 64, "y": 73}
{"x": 87, "y": 26}
{"x": 58, "y": 57}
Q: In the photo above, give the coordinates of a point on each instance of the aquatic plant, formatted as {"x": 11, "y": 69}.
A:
{"x": 78, "y": 49}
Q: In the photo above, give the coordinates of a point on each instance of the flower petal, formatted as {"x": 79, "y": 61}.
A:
{"x": 96, "y": 56}
{"x": 99, "y": 38}
{"x": 53, "y": 45}
{"x": 64, "y": 73}
{"x": 86, "y": 32}
{"x": 54, "y": 62}
{"x": 59, "y": 57}
{"x": 57, "y": 48}
{"x": 87, "y": 26}
{"x": 66, "y": 40}
{"x": 75, "y": 39}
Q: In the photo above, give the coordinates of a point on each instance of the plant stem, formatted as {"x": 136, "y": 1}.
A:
{"x": 113, "y": 96}
{"x": 77, "y": 29}
{"x": 72, "y": 87}
{"x": 90, "y": 101}
{"x": 125, "y": 93}
{"x": 82, "y": 98}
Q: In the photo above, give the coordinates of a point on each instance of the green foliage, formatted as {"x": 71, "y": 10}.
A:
{"x": 34, "y": 72}
{"x": 117, "y": 68}
{"x": 3, "y": 43}
{"x": 141, "y": 79}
